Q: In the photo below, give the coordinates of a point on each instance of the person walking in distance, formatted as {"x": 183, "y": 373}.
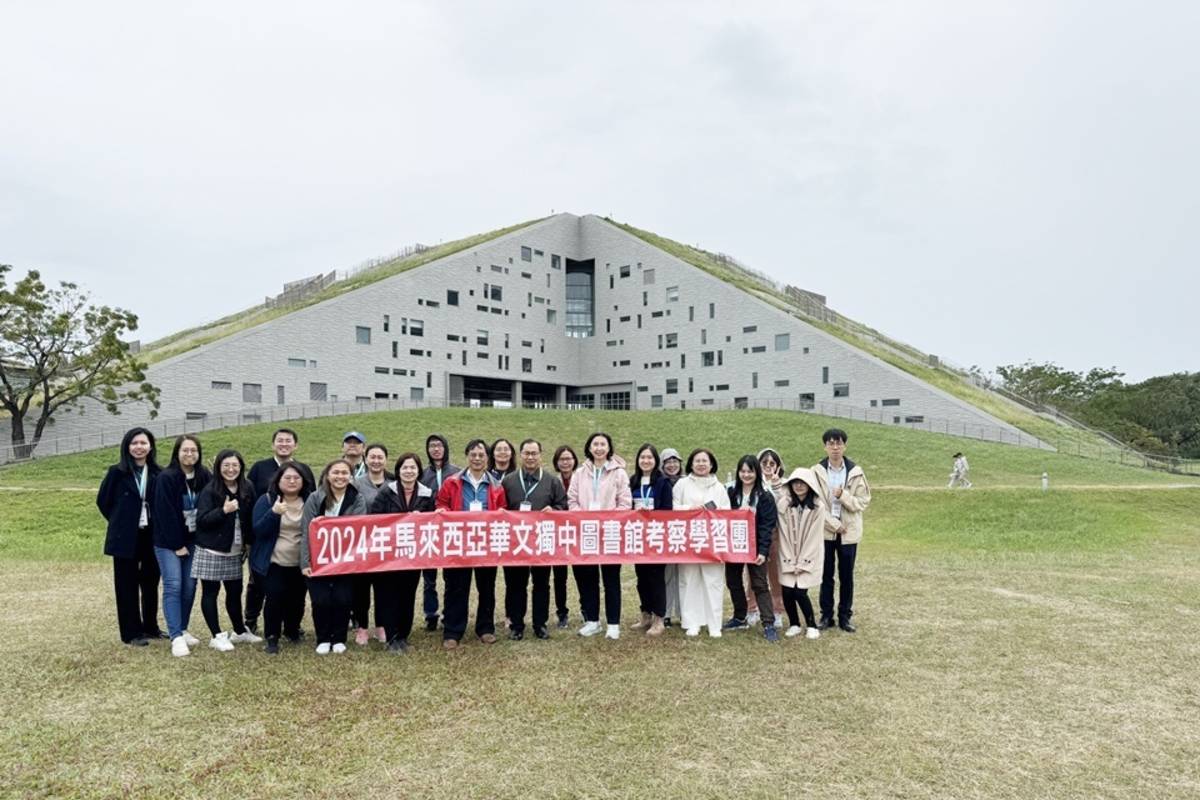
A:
{"x": 958, "y": 473}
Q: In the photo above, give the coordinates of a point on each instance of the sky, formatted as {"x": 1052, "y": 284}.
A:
{"x": 987, "y": 181}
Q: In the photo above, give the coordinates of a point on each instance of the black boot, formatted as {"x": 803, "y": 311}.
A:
{"x": 272, "y": 645}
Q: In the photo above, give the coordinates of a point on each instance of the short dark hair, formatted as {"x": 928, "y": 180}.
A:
{"x": 306, "y": 486}
{"x": 529, "y": 441}
{"x": 697, "y": 452}
{"x": 294, "y": 435}
{"x": 587, "y": 446}
{"x": 565, "y": 448}
{"x": 376, "y": 446}
{"x": 405, "y": 457}
{"x": 471, "y": 445}
{"x": 832, "y": 434}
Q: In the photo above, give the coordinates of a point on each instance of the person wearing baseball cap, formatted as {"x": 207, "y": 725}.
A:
{"x": 352, "y": 451}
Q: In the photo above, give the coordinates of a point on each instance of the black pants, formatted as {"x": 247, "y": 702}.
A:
{"x": 233, "y": 604}
{"x": 516, "y": 596}
{"x": 135, "y": 581}
{"x": 652, "y": 588}
{"x": 458, "y": 597}
{"x": 395, "y": 601}
{"x": 331, "y": 599}
{"x": 360, "y": 611}
{"x": 587, "y": 580}
{"x": 793, "y": 596}
{"x": 759, "y": 584}
{"x": 560, "y": 589}
{"x": 284, "y": 591}
{"x": 255, "y": 595}
{"x": 430, "y": 599}
{"x": 844, "y": 555}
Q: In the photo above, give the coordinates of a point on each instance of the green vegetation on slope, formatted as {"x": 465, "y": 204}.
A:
{"x": 870, "y": 341}
{"x": 192, "y": 338}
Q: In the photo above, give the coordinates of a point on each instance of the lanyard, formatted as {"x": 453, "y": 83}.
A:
{"x": 597, "y": 473}
{"x": 529, "y": 489}
{"x": 645, "y": 491}
{"x": 140, "y": 478}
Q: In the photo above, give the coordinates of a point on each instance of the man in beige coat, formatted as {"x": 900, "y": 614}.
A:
{"x": 843, "y": 487}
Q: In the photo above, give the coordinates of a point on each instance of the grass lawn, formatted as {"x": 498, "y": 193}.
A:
{"x": 1011, "y": 644}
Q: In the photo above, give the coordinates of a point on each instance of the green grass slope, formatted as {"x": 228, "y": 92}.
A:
{"x": 191, "y": 338}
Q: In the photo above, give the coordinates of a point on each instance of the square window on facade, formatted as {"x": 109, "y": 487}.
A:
{"x": 555, "y": 262}
{"x": 672, "y": 340}
{"x": 527, "y": 254}
{"x": 416, "y": 327}
{"x": 318, "y": 392}
{"x": 362, "y": 334}
{"x": 451, "y": 297}
{"x": 416, "y": 393}
{"x": 656, "y": 401}
{"x": 672, "y": 386}
{"x": 551, "y": 316}
{"x": 708, "y": 358}
{"x": 808, "y": 400}
{"x": 841, "y": 390}
{"x": 251, "y": 392}
{"x": 526, "y": 365}
{"x": 625, "y": 271}
{"x": 648, "y": 277}
{"x": 783, "y": 341}
{"x": 673, "y": 297}
{"x": 497, "y": 294}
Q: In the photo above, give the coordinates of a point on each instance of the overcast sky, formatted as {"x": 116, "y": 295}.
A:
{"x": 988, "y": 181}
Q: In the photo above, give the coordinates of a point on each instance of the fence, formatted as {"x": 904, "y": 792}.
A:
{"x": 166, "y": 429}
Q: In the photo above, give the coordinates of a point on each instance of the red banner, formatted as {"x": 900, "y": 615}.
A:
{"x": 382, "y": 542}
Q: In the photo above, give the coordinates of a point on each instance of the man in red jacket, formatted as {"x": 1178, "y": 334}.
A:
{"x": 473, "y": 489}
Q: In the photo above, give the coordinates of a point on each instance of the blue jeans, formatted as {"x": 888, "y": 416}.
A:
{"x": 178, "y": 588}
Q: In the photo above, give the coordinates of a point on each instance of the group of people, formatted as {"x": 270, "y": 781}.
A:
{"x": 189, "y": 524}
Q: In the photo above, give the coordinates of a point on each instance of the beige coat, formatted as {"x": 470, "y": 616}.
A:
{"x": 856, "y": 496}
{"x": 801, "y": 541}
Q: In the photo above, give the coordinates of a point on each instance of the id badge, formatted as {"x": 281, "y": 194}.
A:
{"x": 526, "y": 507}
{"x": 648, "y": 503}
{"x": 144, "y": 519}
{"x": 189, "y": 519}
{"x": 594, "y": 505}
{"x": 476, "y": 506}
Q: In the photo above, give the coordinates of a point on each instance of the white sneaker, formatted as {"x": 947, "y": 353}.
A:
{"x": 812, "y": 633}
{"x": 795, "y": 630}
{"x": 323, "y": 649}
{"x": 714, "y": 633}
{"x": 692, "y": 631}
{"x": 179, "y": 647}
{"x": 221, "y": 642}
{"x": 246, "y": 636}
{"x": 778, "y": 622}
{"x": 589, "y": 629}
{"x": 753, "y": 617}
{"x": 339, "y": 648}
{"x": 192, "y": 641}
{"x": 613, "y": 632}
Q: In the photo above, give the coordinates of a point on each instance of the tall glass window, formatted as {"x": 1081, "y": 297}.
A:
{"x": 580, "y": 298}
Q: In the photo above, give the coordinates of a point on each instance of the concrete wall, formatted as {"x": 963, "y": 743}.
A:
{"x": 709, "y": 316}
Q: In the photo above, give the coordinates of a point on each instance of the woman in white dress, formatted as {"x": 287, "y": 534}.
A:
{"x": 701, "y": 586}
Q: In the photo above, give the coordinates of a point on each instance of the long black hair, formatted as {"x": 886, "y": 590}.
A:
{"x": 126, "y": 463}
{"x": 187, "y": 437}
{"x": 751, "y": 462}
{"x": 512, "y": 455}
{"x": 635, "y": 478}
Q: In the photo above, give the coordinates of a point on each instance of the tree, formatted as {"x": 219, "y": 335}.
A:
{"x": 57, "y": 350}
{"x": 1050, "y": 383}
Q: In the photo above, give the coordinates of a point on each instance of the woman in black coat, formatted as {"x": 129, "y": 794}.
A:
{"x": 398, "y": 588}
{"x": 748, "y": 491}
{"x": 224, "y": 531}
{"x": 651, "y": 490}
{"x": 124, "y": 500}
